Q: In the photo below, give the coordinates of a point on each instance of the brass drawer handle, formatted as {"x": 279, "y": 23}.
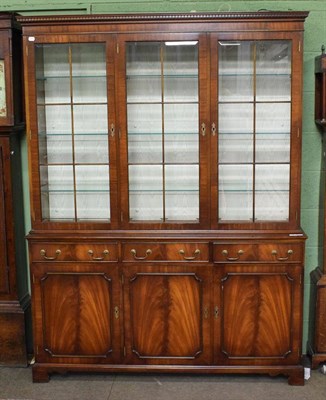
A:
{"x": 91, "y": 253}
{"x": 134, "y": 253}
{"x": 225, "y": 253}
{"x": 43, "y": 254}
{"x": 289, "y": 252}
{"x": 196, "y": 253}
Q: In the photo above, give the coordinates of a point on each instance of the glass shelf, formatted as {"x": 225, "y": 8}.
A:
{"x": 44, "y": 78}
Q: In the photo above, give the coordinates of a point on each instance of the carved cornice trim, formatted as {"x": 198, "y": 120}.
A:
{"x": 297, "y": 15}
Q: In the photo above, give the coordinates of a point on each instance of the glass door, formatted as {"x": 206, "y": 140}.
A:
{"x": 164, "y": 130}
{"x": 254, "y": 130}
{"x": 73, "y": 134}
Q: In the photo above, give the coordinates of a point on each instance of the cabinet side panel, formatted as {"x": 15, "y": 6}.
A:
{"x": 4, "y": 266}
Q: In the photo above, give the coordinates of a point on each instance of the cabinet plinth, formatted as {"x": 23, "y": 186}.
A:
{"x": 165, "y": 192}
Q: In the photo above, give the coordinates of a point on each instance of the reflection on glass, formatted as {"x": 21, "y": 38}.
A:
{"x": 162, "y": 123}
{"x": 73, "y": 129}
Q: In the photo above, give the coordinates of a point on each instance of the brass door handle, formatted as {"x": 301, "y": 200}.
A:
{"x": 196, "y": 253}
{"x": 43, "y": 254}
{"x": 225, "y": 253}
{"x": 134, "y": 253}
{"x": 289, "y": 252}
{"x": 105, "y": 253}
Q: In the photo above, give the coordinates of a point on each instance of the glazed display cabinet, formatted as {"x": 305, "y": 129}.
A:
{"x": 164, "y": 155}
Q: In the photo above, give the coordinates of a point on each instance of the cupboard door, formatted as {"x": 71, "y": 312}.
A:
{"x": 72, "y": 128}
{"x": 164, "y": 130}
{"x": 257, "y": 324}
{"x": 167, "y": 315}
{"x": 255, "y": 108}
{"x": 77, "y": 314}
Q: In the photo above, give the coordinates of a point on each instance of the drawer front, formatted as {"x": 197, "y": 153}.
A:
{"x": 144, "y": 251}
{"x": 74, "y": 252}
{"x": 272, "y": 252}
{"x": 196, "y": 252}
{"x": 281, "y": 252}
{"x": 226, "y": 252}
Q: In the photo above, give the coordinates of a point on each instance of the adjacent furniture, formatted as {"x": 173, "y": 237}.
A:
{"x": 14, "y": 295}
{"x": 165, "y": 167}
{"x": 318, "y": 348}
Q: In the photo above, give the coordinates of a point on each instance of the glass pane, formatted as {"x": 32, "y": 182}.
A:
{"x": 181, "y": 72}
{"x": 88, "y": 59}
{"x": 58, "y": 149}
{"x": 182, "y": 192}
{"x": 144, "y": 118}
{"x": 235, "y": 71}
{"x": 92, "y": 178}
{"x": 143, "y": 58}
{"x": 273, "y": 68}
{"x": 57, "y": 188}
{"x": 236, "y": 192}
{"x": 236, "y": 127}
{"x": 56, "y": 90}
{"x": 93, "y": 186}
{"x": 93, "y": 206}
{"x": 273, "y": 147}
{"x": 145, "y": 192}
{"x": 272, "y": 192}
{"x": 144, "y": 89}
{"x": 90, "y": 119}
{"x": 144, "y": 148}
{"x": 58, "y": 120}
{"x": 92, "y": 149}
{"x": 52, "y": 60}
{"x": 89, "y": 90}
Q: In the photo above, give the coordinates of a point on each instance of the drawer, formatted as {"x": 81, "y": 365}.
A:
{"x": 226, "y": 252}
{"x": 144, "y": 251}
{"x": 74, "y": 252}
{"x": 156, "y": 251}
{"x": 242, "y": 252}
{"x": 197, "y": 252}
{"x": 280, "y": 252}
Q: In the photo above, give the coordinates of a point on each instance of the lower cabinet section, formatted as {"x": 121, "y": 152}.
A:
{"x": 222, "y": 317}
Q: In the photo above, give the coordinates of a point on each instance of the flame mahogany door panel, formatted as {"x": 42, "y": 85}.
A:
{"x": 167, "y": 315}
{"x": 78, "y": 308}
{"x": 258, "y": 322}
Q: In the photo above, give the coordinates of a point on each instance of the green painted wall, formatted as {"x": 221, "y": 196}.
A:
{"x": 315, "y": 36}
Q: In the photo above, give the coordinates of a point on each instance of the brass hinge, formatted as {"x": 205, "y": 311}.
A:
{"x": 26, "y": 51}
{"x": 299, "y": 46}
{"x": 118, "y": 49}
{"x": 298, "y": 132}
{"x": 30, "y": 135}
